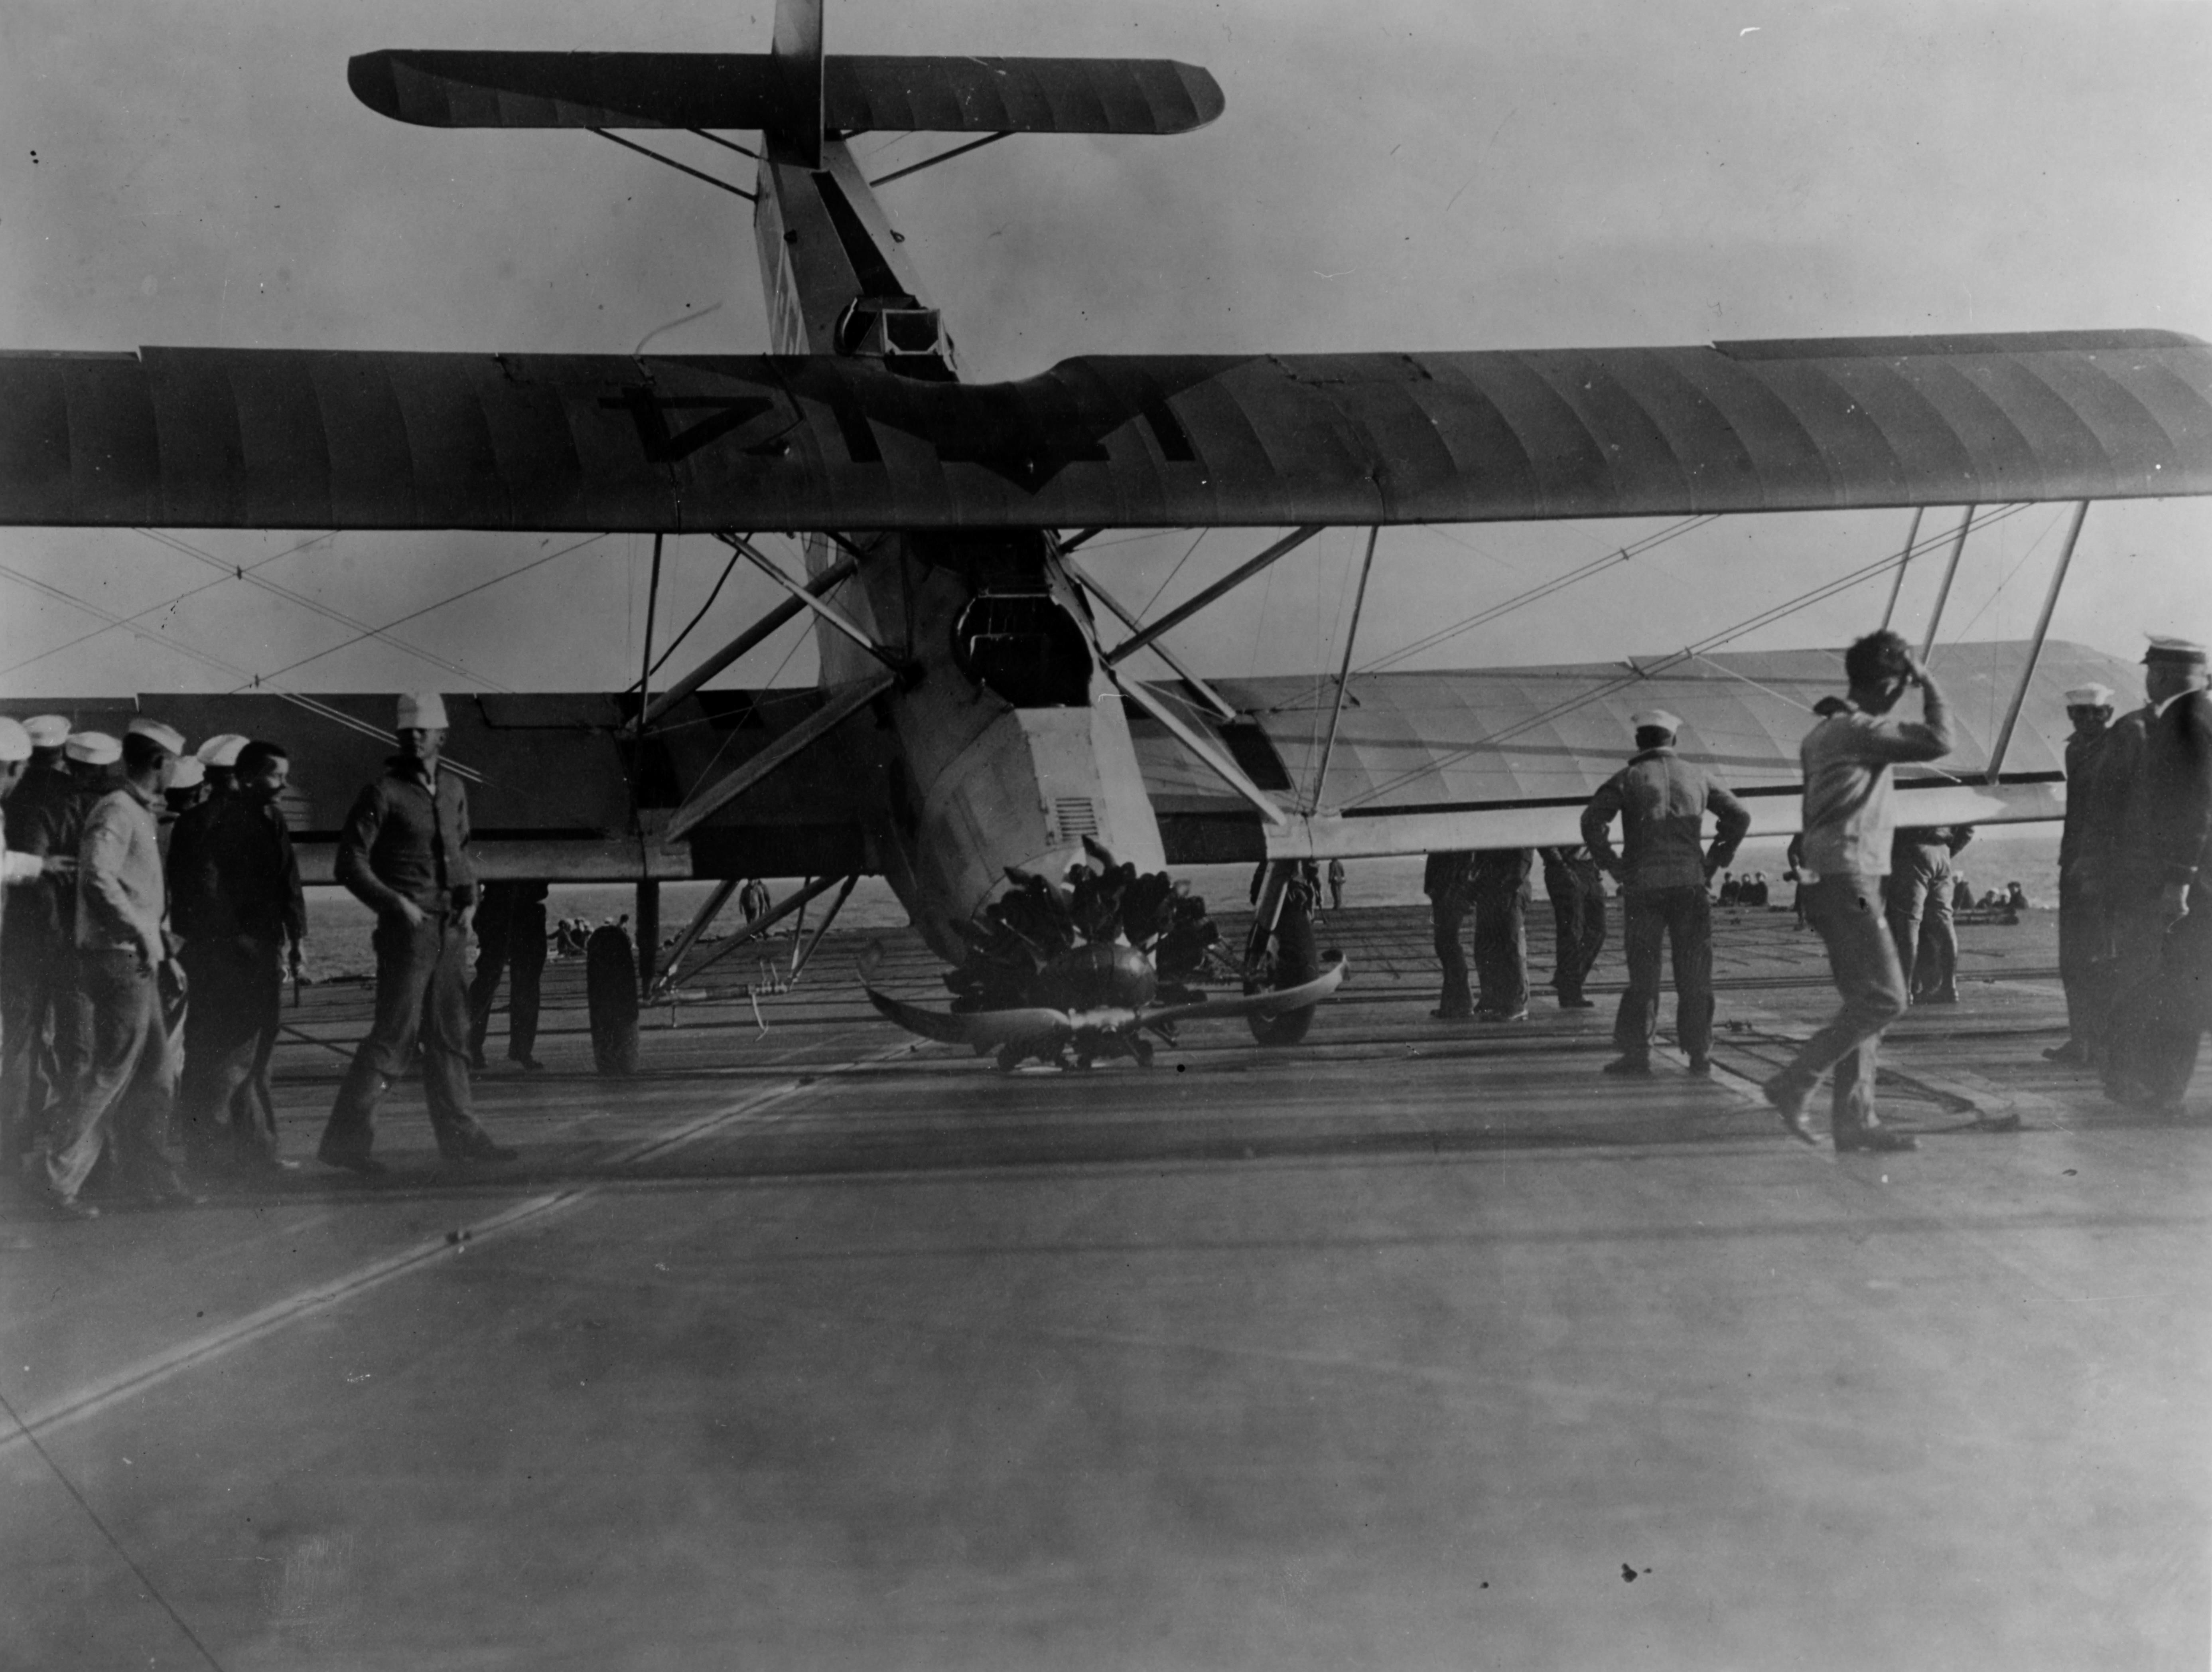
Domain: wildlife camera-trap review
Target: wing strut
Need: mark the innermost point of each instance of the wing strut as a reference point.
(2035, 645)
(753, 931)
(807, 598)
(1344, 673)
(1950, 573)
(821, 586)
(840, 707)
(1229, 583)
(1912, 544)
(1198, 687)
(1223, 767)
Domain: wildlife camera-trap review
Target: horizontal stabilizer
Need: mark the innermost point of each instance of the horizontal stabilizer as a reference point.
(745, 90)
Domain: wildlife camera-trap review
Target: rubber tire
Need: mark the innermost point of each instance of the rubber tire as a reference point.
(611, 991)
(1297, 960)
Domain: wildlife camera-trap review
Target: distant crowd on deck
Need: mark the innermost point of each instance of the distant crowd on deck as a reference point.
(2134, 925)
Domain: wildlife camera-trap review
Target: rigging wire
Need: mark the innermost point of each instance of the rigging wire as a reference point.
(315, 606)
(1637, 674)
(166, 604)
(661, 661)
(1147, 609)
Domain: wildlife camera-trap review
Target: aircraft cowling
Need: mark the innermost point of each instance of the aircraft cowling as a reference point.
(1099, 977)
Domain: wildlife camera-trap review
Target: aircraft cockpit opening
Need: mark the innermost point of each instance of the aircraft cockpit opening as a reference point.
(1025, 648)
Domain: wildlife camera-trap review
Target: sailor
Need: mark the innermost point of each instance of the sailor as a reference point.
(1446, 880)
(1498, 887)
(220, 756)
(403, 853)
(2160, 899)
(183, 787)
(36, 1062)
(1848, 822)
(1573, 884)
(2084, 842)
(215, 762)
(121, 1101)
(1917, 895)
(510, 934)
(235, 900)
(1336, 885)
(1660, 800)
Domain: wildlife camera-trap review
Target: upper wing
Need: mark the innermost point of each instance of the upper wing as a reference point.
(1508, 758)
(304, 438)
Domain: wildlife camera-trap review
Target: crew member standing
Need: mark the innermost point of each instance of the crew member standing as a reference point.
(37, 1062)
(510, 934)
(1499, 881)
(122, 1098)
(2084, 945)
(235, 900)
(2161, 900)
(403, 853)
(1918, 893)
(1336, 885)
(1663, 868)
(1572, 881)
(1446, 881)
(1849, 824)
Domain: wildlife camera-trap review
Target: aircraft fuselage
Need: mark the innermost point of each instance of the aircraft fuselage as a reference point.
(1009, 741)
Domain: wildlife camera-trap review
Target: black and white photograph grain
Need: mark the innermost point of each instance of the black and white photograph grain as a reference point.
(1176, 835)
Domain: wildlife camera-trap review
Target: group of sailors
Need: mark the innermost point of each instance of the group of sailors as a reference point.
(151, 910)
(2136, 931)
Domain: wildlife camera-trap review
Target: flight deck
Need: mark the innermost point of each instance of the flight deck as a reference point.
(1419, 1345)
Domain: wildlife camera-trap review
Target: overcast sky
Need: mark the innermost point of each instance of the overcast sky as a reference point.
(1418, 176)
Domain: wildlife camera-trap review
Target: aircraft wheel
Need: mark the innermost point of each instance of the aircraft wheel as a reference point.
(611, 991)
(1287, 958)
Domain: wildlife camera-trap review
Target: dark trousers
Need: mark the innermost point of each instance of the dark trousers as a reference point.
(2085, 965)
(1922, 892)
(122, 1100)
(1446, 916)
(1578, 919)
(42, 1040)
(2161, 999)
(1862, 958)
(422, 988)
(1650, 917)
(1501, 951)
(508, 938)
(230, 1033)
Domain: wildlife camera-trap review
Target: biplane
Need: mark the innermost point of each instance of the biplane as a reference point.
(978, 736)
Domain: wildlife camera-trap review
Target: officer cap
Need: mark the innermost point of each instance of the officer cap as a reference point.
(2089, 696)
(48, 730)
(185, 772)
(425, 709)
(168, 737)
(92, 748)
(14, 741)
(1658, 719)
(2183, 653)
(221, 751)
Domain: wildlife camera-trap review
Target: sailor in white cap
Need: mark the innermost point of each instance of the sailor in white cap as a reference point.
(185, 786)
(1660, 800)
(219, 755)
(121, 1100)
(94, 750)
(2161, 911)
(403, 853)
(37, 1040)
(2084, 851)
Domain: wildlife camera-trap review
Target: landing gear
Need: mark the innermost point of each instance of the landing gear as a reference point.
(1280, 951)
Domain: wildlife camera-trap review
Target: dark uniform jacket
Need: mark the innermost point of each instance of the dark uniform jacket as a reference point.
(2082, 755)
(1660, 800)
(403, 841)
(233, 874)
(1448, 876)
(46, 815)
(2167, 818)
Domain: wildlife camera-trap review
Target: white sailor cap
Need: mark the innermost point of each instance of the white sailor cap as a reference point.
(92, 748)
(221, 751)
(2089, 696)
(1658, 717)
(185, 772)
(168, 737)
(2186, 651)
(423, 709)
(14, 741)
(48, 730)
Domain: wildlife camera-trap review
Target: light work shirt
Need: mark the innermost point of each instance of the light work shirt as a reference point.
(1850, 823)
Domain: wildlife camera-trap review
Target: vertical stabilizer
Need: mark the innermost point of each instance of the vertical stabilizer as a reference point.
(798, 53)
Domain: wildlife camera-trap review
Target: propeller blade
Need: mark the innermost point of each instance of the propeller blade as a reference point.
(991, 1028)
(1259, 1004)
